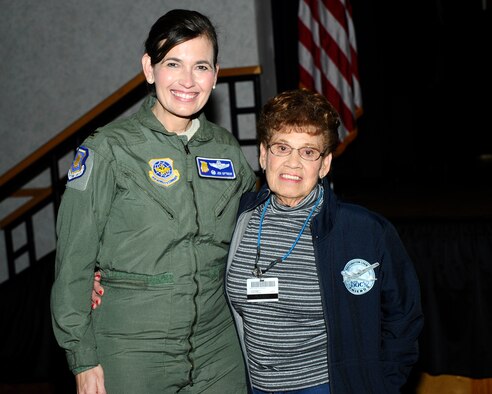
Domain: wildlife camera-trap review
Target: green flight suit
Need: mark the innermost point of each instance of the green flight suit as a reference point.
(155, 213)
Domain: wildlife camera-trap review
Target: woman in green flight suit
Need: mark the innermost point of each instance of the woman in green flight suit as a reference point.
(151, 202)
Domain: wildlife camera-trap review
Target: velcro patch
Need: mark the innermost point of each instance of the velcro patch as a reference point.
(215, 168)
(81, 168)
(163, 172)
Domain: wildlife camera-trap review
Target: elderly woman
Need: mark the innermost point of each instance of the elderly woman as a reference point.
(324, 295)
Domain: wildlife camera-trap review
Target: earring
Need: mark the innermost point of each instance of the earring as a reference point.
(213, 87)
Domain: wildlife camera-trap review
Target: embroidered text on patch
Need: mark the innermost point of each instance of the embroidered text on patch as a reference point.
(215, 168)
(359, 276)
(162, 171)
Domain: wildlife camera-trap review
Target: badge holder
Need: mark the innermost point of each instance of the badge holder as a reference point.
(262, 289)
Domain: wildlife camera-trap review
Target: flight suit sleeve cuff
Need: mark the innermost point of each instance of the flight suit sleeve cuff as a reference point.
(82, 360)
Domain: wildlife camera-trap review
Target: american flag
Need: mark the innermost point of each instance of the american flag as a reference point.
(328, 59)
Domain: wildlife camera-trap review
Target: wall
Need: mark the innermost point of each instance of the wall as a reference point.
(61, 58)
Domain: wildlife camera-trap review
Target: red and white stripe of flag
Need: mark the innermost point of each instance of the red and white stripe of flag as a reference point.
(328, 59)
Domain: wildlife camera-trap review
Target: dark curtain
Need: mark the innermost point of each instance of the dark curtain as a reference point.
(453, 259)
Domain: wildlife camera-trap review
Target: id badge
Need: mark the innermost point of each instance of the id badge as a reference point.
(262, 289)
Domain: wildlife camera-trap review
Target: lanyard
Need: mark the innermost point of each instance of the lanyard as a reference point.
(257, 271)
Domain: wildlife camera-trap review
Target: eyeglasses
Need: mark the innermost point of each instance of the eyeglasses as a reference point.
(306, 153)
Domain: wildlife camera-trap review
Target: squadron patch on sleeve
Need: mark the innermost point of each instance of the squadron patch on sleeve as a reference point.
(162, 171)
(215, 168)
(359, 276)
(81, 168)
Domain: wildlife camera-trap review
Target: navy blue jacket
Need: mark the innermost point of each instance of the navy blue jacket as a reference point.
(372, 331)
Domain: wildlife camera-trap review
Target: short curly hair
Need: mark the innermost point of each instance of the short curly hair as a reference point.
(301, 111)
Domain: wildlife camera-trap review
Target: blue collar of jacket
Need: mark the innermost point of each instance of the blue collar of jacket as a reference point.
(322, 222)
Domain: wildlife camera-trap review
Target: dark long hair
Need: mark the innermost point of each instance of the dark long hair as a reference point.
(176, 27)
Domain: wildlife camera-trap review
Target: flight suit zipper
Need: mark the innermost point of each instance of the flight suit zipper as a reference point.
(189, 179)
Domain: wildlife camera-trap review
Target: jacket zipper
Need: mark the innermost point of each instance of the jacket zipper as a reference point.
(315, 237)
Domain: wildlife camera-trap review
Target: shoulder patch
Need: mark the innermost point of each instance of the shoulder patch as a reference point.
(215, 168)
(358, 276)
(81, 168)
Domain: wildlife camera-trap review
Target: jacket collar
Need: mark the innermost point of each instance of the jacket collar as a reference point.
(324, 221)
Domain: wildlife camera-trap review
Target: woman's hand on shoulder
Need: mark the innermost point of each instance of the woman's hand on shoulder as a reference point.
(97, 290)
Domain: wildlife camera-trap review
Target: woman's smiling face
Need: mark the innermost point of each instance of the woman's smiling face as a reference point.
(183, 80)
(291, 178)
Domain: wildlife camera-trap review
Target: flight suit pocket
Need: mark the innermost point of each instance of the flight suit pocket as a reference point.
(132, 317)
(226, 212)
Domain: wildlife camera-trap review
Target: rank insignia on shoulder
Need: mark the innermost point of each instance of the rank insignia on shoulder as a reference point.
(215, 168)
(162, 172)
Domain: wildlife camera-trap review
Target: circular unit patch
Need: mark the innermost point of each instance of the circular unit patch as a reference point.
(359, 276)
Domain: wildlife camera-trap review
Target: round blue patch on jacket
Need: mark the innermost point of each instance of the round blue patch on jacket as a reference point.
(359, 276)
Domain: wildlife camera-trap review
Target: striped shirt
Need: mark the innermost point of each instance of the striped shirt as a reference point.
(286, 340)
